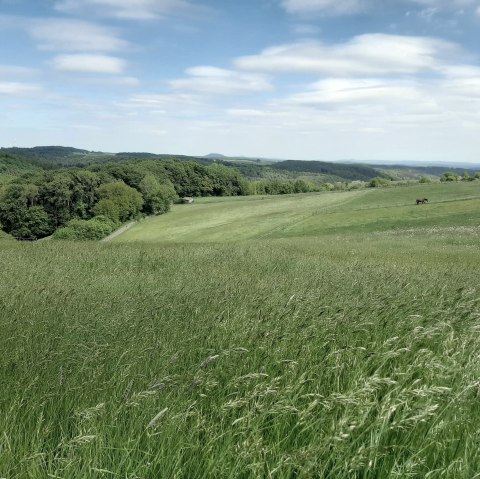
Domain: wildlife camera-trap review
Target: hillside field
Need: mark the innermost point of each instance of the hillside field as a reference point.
(329, 335)
(315, 214)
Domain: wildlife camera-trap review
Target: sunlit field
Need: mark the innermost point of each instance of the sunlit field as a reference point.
(362, 211)
(331, 335)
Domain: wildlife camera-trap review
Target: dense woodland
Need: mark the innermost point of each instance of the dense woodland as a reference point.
(91, 202)
(77, 194)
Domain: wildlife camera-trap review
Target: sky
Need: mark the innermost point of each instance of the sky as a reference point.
(384, 80)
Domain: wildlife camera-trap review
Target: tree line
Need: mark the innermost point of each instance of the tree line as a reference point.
(91, 202)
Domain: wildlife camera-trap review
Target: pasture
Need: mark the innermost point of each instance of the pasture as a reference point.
(314, 336)
(313, 214)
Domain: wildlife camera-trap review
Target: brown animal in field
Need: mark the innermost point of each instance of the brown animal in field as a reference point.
(422, 201)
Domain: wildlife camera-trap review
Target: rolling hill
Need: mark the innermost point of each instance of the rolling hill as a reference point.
(41, 157)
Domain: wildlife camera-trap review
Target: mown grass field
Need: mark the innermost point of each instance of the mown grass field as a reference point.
(361, 211)
(311, 351)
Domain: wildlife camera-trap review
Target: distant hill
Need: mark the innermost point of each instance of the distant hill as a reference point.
(350, 172)
(11, 164)
(214, 156)
(44, 151)
(51, 156)
(407, 172)
(416, 164)
(132, 155)
(14, 161)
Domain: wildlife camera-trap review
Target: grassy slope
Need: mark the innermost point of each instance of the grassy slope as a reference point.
(227, 219)
(5, 236)
(340, 356)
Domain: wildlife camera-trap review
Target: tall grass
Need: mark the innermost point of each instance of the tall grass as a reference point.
(352, 357)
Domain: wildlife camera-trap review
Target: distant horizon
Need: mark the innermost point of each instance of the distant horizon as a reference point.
(217, 155)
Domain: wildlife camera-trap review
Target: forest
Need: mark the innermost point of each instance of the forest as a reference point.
(88, 203)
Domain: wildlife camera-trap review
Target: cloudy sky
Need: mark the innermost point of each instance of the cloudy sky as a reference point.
(392, 80)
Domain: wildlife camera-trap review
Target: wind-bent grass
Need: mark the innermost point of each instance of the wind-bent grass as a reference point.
(335, 356)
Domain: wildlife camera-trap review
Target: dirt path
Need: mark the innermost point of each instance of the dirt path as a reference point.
(119, 231)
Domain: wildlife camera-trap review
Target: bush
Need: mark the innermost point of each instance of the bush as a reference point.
(65, 233)
(356, 185)
(378, 182)
(449, 176)
(84, 230)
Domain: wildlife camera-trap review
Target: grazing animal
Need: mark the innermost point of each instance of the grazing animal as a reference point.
(422, 201)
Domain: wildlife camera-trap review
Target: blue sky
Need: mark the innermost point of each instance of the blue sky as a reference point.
(393, 80)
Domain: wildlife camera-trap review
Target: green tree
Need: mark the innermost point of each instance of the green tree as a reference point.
(84, 192)
(301, 186)
(377, 182)
(19, 214)
(157, 197)
(34, 224)
(467, 177)
(128, 200)
(108, 208)
(449, 176)
(56, 197)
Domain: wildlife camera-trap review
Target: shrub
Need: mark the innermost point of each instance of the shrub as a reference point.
(449, 176)
(378, 182)
(94, 229)
(65, 233)
(356, 185)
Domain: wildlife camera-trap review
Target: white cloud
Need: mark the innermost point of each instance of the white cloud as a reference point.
(461, 71)
(128, 9)
(207, 79)
(332, 7)
(89, 64)
(347, 7)
(246, 113)
(370, 54)
(175, 104)
(111, 81)
(356, 91)
(19, 89)
(74, 35)
(306, 29)
(16, 71)
(451, 4)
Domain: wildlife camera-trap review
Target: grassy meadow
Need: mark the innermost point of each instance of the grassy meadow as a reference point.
(314, 214)
(331, 335)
